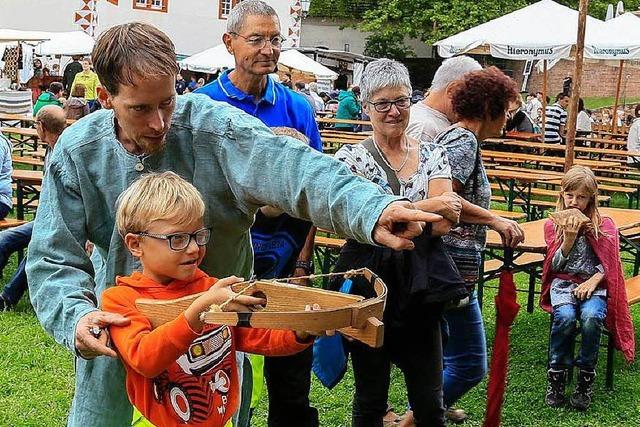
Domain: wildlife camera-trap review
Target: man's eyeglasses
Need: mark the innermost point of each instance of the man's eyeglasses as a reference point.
(181, 241)
(260, 42)
(384, 106)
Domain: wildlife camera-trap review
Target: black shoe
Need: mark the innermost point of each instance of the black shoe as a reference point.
(582, 395)
(557, 382)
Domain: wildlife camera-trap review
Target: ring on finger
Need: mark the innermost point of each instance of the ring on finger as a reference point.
(95, 331)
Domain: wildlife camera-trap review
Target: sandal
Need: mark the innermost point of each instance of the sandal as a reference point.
(390, 419)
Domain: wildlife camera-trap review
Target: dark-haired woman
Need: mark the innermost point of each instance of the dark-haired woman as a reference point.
(480, 100)
(583, 121)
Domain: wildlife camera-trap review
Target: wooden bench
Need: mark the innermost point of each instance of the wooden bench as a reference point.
(493, 265)
(10, 223)
(516, 216)
(329, 242)
(28, 205)
(631, 233)
(633, 290)
(25, 160)
(550, 193)
(326, 251)
(528, 262)
(632, 286)
(519, 201)
(343, 121)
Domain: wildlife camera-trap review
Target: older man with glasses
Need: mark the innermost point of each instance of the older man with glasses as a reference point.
(283, 246)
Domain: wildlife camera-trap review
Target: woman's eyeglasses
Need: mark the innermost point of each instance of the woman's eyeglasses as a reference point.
(384, 106)
(181, 241)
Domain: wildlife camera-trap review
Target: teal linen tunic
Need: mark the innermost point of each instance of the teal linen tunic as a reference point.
(235, 162)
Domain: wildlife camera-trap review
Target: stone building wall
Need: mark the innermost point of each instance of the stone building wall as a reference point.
(598, 79)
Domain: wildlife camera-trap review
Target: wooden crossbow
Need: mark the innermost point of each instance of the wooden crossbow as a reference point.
(351, 315)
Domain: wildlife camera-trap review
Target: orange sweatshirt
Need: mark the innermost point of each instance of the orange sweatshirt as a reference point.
(175, 376)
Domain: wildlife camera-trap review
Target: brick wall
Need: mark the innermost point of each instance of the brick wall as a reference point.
(598, 78)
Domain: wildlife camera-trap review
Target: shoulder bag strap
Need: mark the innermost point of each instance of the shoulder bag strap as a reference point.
(392, 178)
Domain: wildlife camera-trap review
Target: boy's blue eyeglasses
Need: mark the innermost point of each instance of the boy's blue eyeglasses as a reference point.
(181, 241)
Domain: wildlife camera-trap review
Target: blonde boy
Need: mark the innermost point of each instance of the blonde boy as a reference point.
(183, 372)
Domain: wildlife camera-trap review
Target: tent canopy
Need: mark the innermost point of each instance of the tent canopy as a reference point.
(299, 61)
(12, 36)
(555, 32)
(211, 60)
(69, 43)
(51, 43)
(617, 39)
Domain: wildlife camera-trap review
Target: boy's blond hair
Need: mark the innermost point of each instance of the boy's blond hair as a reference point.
(155, 197)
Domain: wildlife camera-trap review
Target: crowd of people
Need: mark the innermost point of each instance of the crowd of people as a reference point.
(154, 195)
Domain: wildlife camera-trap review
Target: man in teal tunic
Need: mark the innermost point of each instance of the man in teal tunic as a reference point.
(232, 158)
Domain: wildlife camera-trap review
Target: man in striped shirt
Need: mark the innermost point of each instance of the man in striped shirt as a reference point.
(556, 119)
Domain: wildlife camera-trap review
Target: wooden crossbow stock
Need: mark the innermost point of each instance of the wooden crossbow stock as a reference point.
(352, 315)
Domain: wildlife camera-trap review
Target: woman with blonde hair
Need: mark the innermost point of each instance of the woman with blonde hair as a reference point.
(583, 283)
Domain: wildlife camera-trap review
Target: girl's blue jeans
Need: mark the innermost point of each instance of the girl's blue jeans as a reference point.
(591, 314)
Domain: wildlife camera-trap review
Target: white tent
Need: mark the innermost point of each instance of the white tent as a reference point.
(68, 44)
(9, 36)
(211, 60)
(299, 61)
(616, 39)
(543, 30)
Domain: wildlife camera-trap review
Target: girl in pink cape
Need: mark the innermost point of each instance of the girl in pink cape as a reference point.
(582, 284)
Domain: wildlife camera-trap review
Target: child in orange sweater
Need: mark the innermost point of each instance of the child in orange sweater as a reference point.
(183, 372)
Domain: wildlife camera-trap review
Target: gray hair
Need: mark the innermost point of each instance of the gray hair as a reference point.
(236, 17)
(313, 87)
(383, 73)
(453, 69)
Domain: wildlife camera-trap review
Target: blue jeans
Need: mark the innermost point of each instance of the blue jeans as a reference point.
(564, 329)
(465, 351)
(4, 210)
(13, 240)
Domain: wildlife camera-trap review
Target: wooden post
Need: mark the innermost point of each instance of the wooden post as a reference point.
(544, 98)
(614, 123)
(577, 85)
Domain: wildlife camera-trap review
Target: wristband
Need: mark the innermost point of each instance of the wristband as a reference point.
(305, 265)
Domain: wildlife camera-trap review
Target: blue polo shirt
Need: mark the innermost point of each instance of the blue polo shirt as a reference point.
(276, 242)
(280, 106)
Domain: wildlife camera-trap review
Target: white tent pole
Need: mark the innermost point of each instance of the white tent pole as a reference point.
(614, 123)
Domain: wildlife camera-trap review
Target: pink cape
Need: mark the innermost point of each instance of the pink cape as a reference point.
(607, 249)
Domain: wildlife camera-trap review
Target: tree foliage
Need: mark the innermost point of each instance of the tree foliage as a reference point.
(344, 9)
(390, 22)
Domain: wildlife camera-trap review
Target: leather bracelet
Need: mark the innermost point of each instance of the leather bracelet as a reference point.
(305, 265)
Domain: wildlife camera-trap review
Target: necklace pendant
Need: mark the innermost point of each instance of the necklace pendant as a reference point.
(139, 166)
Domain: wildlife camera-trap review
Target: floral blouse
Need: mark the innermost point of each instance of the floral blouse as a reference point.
(433, 164)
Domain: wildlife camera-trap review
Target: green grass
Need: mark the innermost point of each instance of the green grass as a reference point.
(37, 377)
(37, 380)
(593, 103)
